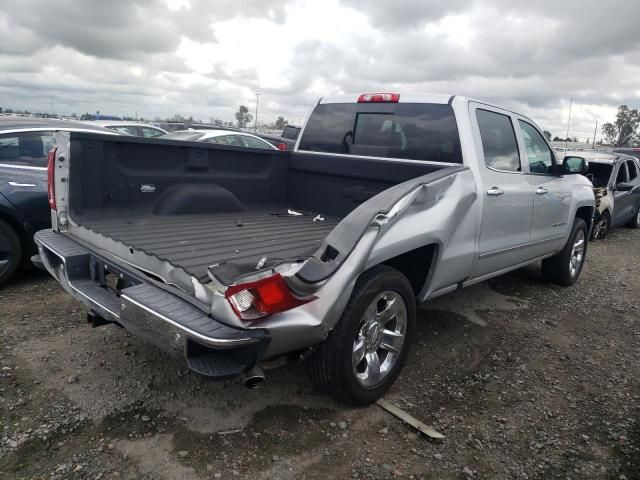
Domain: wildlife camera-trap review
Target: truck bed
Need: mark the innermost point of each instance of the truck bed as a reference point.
(195, 242)
(196, 205)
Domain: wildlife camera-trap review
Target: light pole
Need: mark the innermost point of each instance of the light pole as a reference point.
(255, 127)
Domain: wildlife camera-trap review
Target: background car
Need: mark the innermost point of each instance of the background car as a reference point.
(633, 151)
(24, 208)
(222, 137)
(131, 128)
(616, 185)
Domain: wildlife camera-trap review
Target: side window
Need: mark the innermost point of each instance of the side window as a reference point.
(622, 173)
(26, 149)
(633, 170)
(253, 142)
(540, 156)
(228, 140)
(150, 132)
(498, 141)
(127, 130)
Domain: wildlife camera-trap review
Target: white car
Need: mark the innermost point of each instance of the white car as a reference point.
(135, 129)
(222, 137)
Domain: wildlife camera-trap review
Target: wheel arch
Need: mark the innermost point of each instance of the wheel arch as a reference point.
(586, 213)
(417, 265)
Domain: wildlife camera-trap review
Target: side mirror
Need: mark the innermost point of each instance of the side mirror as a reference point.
(575, 165)
(624, 187)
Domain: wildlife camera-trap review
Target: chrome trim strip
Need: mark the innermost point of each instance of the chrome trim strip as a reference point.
(518, 247)
(16, 184)
(23, 167)
(383, 159)
(216, 342)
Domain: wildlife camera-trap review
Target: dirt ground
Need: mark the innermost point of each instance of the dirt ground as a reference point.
(524, 379)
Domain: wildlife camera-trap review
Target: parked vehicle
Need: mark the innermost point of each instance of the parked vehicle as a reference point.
(135, 129)
(633, 151)
(616, 184)
(285, 141)
(220, 137)
(175, 126)
(228, 257)
(277, 141)
(24, 144)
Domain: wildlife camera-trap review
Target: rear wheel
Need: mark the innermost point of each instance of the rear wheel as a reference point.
(635, 222)
(601, 226)
(565, 267)
(10, 251)
(364, 353)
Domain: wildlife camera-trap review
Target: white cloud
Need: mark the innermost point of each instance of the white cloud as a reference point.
(160, 57)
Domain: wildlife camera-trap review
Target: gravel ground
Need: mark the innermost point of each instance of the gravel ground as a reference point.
(525, 380)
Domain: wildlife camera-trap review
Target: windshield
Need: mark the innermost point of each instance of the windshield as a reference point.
(417, 131)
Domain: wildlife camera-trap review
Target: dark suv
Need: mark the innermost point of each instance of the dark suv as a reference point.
(24, 208)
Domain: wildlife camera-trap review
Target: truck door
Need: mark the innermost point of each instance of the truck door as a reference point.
(625, 202)
(507, 200)
(552, 193)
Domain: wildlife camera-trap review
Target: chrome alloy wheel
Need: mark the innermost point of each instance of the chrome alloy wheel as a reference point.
(379, 342)
(601, 228)
(577, 254)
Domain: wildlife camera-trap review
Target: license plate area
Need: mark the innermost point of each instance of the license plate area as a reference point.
(109, 276)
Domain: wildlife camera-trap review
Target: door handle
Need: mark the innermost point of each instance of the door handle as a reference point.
(495, 191)
(541, 191)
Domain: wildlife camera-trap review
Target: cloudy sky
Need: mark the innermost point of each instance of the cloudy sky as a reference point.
(204, 58)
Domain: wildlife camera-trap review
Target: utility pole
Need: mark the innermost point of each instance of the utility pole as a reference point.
(595, 132)
(568, 125)
(255, 127)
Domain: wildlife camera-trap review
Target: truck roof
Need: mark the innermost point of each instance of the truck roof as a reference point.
(407, 97)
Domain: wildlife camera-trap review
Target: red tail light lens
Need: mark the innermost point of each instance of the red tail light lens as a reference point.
(282, 146)
(379, 98)
(51, 177)
(263, 297)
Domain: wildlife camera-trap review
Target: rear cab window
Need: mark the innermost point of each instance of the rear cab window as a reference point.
(412, 131)
(26, 149)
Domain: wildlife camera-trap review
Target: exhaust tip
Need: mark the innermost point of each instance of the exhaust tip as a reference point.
(254, 378)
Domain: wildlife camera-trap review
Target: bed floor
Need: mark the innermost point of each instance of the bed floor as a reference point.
(194, 242)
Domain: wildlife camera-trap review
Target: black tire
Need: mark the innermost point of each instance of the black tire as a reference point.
(330, 366)
(557, 269)
(601, 226)
(635, 221)
(10, 252)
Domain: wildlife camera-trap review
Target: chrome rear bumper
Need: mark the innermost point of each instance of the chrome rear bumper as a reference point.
(147, 310)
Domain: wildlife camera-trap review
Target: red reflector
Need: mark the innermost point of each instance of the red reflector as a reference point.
(379, 98)
(263, 297)
(51, 177)
(282, 146)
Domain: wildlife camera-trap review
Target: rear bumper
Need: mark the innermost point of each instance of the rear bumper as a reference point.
(160, 317)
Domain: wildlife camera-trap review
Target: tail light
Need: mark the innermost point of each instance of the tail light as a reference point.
(379, 98)
(51, 178)
(282, 146)
(263, 297)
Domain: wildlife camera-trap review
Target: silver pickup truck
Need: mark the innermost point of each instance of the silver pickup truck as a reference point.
(233, 258)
